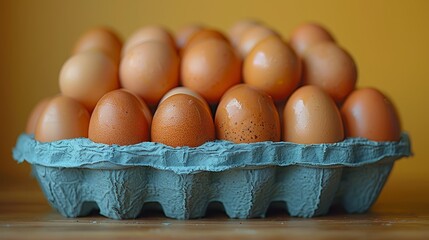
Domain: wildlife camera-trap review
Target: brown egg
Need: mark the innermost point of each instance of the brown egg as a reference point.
(87, 76)
(311, 117)
(35, 115)
(308, 35)
(185, 33)
(148, 33)
(119, 118)
(239, 28)
(62, 118)
(184, 90)
(182, 120)
(252, 36)
(103, 39)
(245, 115)
(146, 110)
(273, 67)
(205, 34)
(210, 67)
(330, 67)
(367, 113)
(150, 70)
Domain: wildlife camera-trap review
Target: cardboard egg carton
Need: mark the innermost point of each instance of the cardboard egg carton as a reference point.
(79, 176)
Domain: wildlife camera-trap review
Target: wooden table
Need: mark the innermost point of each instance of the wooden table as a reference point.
(25, 214)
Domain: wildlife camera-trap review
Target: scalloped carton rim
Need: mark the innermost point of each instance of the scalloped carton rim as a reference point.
(79, 176)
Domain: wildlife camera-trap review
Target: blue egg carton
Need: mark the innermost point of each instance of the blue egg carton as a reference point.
(79, 176)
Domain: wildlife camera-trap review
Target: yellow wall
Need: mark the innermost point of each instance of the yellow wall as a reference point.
(389, 40)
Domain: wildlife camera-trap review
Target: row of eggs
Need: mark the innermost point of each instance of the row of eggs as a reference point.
(244, 115)
(271, 105)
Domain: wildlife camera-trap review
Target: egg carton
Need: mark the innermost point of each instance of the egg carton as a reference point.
(79, 176)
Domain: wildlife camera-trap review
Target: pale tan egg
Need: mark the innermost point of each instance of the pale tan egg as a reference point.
(245, 115)
(87, 76)
(331, 68)
(311, 117)
(239, 28)
(368, 113)
(308, 35)
(119, 118)
(62, 118)
(210, 68)
(273, 67)
(252, 36)
(35, 115)
(149, 33)
(184, 90)
(103, 39)
(150, 70)
(184, 34)
(182, 120)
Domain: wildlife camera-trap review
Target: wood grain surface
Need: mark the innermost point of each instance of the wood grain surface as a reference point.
(25, 214)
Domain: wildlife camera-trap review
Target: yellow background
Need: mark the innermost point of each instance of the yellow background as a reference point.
(388, 39)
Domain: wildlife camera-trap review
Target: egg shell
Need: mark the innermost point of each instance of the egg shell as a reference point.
(184, 34)
(149, 33)
(182, 120)
(252, 36)
(239, 28)
(311, 117)
(332, 68)
(210, 68)
(146, 109)
(87, 76)
(245, 115)
(150, 70)
(184, 90)
(308, 35)
(62, 118)
(273, 67)
(119, 118)
(103, 39)
(368, 113)
(34, 116)
(204, 34)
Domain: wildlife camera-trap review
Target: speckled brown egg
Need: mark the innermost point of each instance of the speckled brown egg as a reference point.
(368, 113)
(62, 118)
(311, 117)
(273, 67)
(103, 39)
(308, 35)
(150, 70)
(182, 120)
(210, 67)
(245, 115)
(331, 68)
(119, 118)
